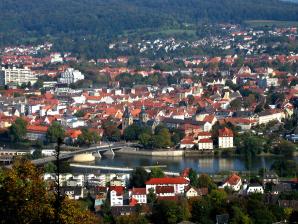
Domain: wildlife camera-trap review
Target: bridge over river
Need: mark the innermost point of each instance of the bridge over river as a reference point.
(69, 155)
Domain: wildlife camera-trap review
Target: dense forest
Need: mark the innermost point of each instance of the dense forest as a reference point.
(71, 23)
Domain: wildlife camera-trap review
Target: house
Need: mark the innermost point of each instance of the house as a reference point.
(270, 115)
(116, 195)
(270, 177)
(288, 204)
(117, 182)
(139, 194)
(225, 138)
(281, 188)
(187, 142)
(203, 135)
(123, 210)
(233, 182)
(205, 144)
(73, 192)
(254, 188)
(195, 192)
(36, 132)
(179, 184)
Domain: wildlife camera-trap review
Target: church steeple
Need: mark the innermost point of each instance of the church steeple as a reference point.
(143, 116)
(127, 118)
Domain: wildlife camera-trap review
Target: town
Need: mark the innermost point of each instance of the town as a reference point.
(239, 99)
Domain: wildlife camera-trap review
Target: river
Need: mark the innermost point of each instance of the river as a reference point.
(209, 165)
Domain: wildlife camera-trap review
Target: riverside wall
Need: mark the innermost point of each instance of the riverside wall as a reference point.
(161, 153)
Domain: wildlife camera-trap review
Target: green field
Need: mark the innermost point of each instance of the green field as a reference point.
(262, 23)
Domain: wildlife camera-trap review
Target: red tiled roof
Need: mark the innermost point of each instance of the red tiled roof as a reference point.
(225, 132)
(37, 128)
(185, 172)
(167, 180)
(206, 140)
(164, 189)
(119, 189)
(138, 191)
(233, 179)
(204, 133)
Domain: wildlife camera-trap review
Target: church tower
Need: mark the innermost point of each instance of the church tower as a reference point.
(127, 118)
(143, 116)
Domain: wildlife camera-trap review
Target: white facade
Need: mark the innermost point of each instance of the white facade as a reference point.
(116, 200)
(141, 198)
(234, 187)
(203, 145)
(71, 76)
(191, 193)
(178, 188)
(225, 142)
(264, 119)
(16, 75)
(255, 189)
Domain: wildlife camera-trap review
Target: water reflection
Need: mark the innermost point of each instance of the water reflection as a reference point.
(176, 164)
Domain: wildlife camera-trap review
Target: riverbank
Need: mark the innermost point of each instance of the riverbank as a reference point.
(160, 153)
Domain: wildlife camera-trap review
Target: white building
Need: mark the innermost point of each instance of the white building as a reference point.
(71, 76)
(271, 115)
(205, 144)
(56, 58)
(254, 188)
(116, 196)
(16, 75)
(179, 183)
(139, 194)
(225, 138)
(233, 182)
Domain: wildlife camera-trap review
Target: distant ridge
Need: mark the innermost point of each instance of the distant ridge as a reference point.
(75, 20)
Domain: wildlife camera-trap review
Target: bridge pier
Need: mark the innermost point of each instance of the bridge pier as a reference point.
(98, 154)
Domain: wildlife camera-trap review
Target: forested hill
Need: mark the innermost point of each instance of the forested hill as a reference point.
(77, 18)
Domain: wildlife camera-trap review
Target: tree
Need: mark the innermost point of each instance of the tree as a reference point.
(88, 137)
(55, 131)
(167, 212)
(156, 172)
(18, 130)
(259, 212)
(36, 154)
(145, 139)
(285, 148)
(138, 177)
(236, 104)
(80, 113)
(238, 216)
(132, 132)
(205, 180)
(151, 196)
(162, 139)
(193, 177)
(131, 219)
(111, 131)
(50, 167)
(201, 211)
(285, 167)
(26, 199)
